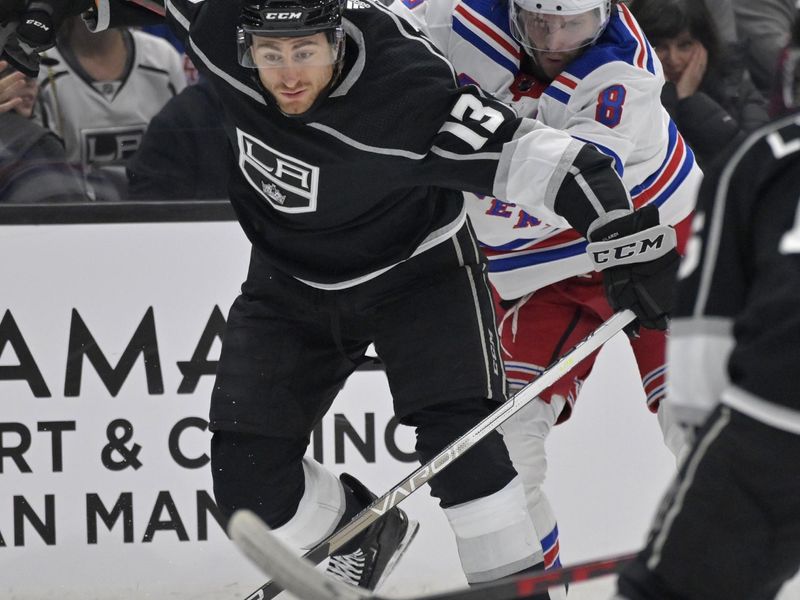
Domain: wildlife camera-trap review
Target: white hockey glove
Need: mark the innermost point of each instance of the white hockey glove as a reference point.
(639, 263)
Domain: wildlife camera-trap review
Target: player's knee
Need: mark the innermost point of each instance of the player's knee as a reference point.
(263, 474)
(483, 470)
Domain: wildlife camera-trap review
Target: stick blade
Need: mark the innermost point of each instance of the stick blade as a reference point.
(293, 573)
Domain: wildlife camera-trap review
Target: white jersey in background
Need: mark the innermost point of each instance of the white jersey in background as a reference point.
(609, 96)
(102, 122)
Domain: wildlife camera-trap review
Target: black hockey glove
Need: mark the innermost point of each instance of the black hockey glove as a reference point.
(639, 263)
(31, 27)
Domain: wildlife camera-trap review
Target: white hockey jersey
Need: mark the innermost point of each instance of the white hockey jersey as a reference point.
(609, 96)
(102, 123)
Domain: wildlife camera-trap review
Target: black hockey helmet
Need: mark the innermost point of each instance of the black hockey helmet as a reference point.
(289, 18)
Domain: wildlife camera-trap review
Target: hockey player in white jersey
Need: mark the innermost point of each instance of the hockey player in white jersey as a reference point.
(585, 67)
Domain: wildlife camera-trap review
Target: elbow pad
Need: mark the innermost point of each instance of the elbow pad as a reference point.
(590, 190)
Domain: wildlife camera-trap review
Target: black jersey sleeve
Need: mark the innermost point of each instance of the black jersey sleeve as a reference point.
(483, 147)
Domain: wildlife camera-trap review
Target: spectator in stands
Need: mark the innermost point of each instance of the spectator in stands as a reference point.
(182, 156)
(100, 92)
(763, 28)
(33, 167)
(713, 102)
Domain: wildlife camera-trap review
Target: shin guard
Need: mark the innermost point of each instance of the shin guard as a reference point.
(495, 535)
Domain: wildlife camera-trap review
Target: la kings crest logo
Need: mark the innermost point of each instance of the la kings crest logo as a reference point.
(286, 183)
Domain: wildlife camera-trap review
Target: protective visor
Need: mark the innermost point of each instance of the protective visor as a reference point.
(556, 33)
(257, 51)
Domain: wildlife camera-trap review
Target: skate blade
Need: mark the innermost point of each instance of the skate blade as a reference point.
(411, 532)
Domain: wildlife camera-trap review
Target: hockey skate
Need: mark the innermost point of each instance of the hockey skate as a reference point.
(382, 546)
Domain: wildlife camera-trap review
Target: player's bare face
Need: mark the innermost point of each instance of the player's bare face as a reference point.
(559, 39)
(675, 54)
(294, 70)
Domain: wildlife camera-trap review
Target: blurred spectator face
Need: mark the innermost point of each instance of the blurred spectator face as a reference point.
(675, 53)
(295, 70)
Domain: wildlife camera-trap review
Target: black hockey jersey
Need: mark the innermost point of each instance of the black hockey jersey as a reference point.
(370, 176)
(739, 298)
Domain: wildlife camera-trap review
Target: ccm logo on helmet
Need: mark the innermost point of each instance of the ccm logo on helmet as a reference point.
(282, 16)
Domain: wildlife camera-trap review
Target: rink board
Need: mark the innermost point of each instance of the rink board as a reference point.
(108, 337)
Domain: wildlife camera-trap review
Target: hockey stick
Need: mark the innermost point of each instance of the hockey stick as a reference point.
(300, 577)
(419, 477)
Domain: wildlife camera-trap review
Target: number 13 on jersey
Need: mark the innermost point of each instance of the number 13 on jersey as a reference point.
(474, 119)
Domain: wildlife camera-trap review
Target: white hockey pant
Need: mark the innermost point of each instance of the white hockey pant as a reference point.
(525, 434)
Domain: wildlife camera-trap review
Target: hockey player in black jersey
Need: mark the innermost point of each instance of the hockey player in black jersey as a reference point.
(352, 142)
(729, 528)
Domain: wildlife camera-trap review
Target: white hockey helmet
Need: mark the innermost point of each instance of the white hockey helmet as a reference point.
(558, 25)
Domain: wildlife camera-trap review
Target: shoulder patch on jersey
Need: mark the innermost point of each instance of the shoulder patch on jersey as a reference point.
(356, 4)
